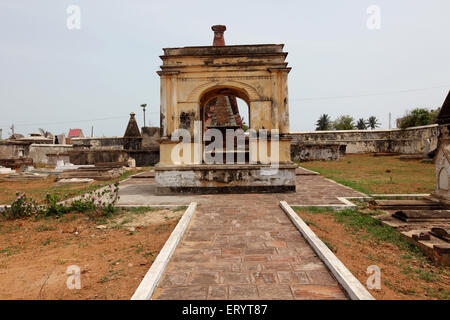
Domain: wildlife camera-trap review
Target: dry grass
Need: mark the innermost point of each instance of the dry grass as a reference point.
(113, 257)
(359, 241)
(370, 174)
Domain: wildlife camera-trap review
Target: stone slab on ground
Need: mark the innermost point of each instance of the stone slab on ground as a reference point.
(419, 232)
(4, 170)
(100, 173)
(73, 181)
(144, 175)
(410, 204)
(25, 177)
(310, 190)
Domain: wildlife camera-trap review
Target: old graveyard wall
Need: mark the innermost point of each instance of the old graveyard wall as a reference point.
(99, 143)
(38, 152)
(407, 141)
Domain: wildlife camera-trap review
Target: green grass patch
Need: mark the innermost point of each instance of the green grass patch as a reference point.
(313, 209)
(382, 175)
(358, 221)
(330, 246)
(44, 227)
(180, 208)
(8, 251)
(441, 293)
(371, 228)
(140, 210)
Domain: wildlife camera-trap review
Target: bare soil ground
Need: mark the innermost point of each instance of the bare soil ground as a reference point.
(113, 254)
(369, 174)
(404, 274)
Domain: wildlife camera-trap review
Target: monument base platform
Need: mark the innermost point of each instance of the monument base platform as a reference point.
(219, 178)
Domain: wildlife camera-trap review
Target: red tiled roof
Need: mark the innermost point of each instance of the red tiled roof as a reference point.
(74, 133)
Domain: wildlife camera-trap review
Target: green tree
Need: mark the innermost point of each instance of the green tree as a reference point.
(344, 122)
(434, 114)
(418, 117)
(244, 125)
(324, 123)
(373, 122)
(361, 124)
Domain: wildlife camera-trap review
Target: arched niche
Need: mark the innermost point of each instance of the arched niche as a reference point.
(443, 179)
(219, 92)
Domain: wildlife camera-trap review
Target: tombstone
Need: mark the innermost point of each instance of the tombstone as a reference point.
(27, 169)
(59, 163)
(4, 170)
(131, 163)
(442, 157)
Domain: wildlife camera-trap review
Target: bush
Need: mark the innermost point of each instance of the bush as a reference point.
(102, 202)
(418, 117)
(21, 207)
(81, 206)
(52, 207)
(344, 123)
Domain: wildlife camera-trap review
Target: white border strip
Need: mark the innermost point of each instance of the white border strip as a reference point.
(346, 279)
(151, 279)
(403, 195)
(313, 173)
(151, 206)
(346, 187)
(347, 204)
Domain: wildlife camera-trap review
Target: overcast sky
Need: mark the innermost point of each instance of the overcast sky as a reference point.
(55, 78)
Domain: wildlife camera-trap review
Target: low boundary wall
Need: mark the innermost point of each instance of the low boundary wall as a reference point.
(407, 141)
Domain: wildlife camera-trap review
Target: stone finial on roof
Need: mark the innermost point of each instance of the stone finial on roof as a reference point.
(132, 128)
(219, 40)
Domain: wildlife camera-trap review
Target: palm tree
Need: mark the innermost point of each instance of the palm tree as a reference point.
(361, 124)
(324, 123)
(373, 122)
(46, 134)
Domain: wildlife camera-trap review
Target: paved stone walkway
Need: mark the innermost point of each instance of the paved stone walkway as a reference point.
(311, 190)
(243, 246)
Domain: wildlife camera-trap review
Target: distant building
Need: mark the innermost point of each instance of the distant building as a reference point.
(36, 138)
(75, 133)
(61, 138)
(16, 136)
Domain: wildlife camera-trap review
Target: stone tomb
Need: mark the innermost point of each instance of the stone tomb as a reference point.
(4, 170)
(199, 87)
(426, 222)
(442, 158)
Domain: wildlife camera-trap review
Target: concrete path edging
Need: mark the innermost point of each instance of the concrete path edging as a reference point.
(354, 288)
(153, 275)
(346, 187)
(403, 195)
(346, 203)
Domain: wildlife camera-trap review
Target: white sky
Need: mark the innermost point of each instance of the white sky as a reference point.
(55, 78)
